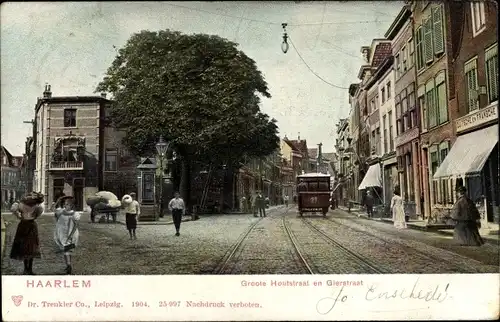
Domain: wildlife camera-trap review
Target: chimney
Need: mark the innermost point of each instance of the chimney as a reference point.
(47, 93)
(365, 50)
(103, 95)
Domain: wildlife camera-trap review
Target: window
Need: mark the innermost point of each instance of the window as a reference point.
(398, 127)
(377, 140)
(470, 70)
(110, 159)
(384, 127)
(382, 94)
(434, 162)
(391, 137)
(428, 42)
(405, 123)
(58, 189)
(420, 47)
(437, 24)
(69, 117)
(411, 100)
(411, 53)
(404, 102)
(478, 17)
(403, 59)
(414, 121)
(444, 191)
(398, 66)
(423, 107)
(388, 90)
(372, 106)
(441, 98)
(491, 59)
(431, 104)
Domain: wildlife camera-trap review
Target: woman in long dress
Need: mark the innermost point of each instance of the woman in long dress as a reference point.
(466, 216)
(66, 234)
(398, 211)
(26, 245)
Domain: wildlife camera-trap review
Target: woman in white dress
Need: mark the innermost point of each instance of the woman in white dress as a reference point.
(66, 234)
(398, 211)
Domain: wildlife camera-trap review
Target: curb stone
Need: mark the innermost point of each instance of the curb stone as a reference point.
(412, 226)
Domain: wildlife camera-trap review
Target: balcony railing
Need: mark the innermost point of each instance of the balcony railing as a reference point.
(66, 165)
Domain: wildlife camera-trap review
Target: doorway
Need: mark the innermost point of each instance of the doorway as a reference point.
(78, 185)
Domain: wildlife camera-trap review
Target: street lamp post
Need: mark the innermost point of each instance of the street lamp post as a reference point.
(161, 148)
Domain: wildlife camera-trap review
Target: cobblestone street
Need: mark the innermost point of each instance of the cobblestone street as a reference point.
(281, 243)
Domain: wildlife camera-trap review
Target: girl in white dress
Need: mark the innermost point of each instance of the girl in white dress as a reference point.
(66, 234)
(398, 211)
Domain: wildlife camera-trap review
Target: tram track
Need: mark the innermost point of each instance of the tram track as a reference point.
(296, 247)
(226, 264)
(367, 265)
(407, 248)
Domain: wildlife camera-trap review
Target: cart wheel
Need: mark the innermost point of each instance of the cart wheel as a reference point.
(325, 211)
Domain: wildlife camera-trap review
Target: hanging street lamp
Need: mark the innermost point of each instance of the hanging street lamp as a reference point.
(284, 44)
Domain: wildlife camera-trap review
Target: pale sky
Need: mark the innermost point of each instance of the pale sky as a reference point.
(70, 46)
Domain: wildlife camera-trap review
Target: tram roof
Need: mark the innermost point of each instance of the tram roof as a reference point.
(314, 175)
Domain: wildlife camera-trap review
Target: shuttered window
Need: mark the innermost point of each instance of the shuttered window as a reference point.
(422, 107)
(420, 48)
(491, 58)
(441, 98)
(430, 102)
(428, 43)
(437, 21)
(470, 70)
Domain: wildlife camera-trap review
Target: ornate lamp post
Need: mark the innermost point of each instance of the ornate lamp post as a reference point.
(162, 149)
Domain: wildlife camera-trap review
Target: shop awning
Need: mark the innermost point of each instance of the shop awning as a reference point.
(373, 178)
(469, 153)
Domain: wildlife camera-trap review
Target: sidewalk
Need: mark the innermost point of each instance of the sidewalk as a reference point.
(489, 235)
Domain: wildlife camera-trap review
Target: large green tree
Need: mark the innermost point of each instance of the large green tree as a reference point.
(198, 91)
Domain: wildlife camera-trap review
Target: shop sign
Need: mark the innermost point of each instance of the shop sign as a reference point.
(477, 118)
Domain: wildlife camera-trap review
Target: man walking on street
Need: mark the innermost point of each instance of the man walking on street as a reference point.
(260, 203)
(369, 200)
(178, 208)
(286, 200)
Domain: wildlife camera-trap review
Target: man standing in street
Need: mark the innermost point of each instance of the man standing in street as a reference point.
(369, 200)
(178, 208)
(286, 200)
(260, 203)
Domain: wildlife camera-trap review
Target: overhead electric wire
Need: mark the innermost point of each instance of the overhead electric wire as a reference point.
(311, 70)
(271, 22)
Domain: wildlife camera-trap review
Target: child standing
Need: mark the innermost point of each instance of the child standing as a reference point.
(66, 234)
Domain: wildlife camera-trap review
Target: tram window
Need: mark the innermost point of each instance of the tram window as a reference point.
(313, 186)
(323, 186)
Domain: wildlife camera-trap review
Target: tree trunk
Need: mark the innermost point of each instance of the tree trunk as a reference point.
(185, 183)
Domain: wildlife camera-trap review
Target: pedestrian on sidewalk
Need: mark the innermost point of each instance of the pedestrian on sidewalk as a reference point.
(243, 204)
(132, 212)
(369, 201)
(178, 208)
(467, 219)
(398, 211)
(26, 245)
(286, 200)
(260, 204)
(66, 234)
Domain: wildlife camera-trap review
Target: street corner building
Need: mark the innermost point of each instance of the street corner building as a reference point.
(78, 151)
(427, 95)
(14, 179)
